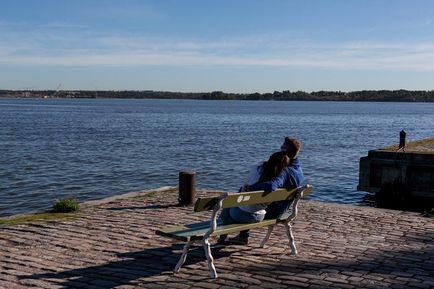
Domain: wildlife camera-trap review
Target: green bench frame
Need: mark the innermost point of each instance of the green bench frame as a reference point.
(202, 231)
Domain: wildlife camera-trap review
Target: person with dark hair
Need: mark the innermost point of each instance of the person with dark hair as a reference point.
(255, 213)
(289, 178)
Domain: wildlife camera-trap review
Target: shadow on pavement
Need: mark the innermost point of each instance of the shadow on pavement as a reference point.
(132, 266)
(399, 266)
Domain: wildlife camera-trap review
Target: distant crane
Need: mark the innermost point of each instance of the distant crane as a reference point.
(55, 92)
(57, 89)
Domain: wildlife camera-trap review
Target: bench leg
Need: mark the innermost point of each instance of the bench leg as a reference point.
(291, 238)
(209, 258)
(270, 229)
(183, 256)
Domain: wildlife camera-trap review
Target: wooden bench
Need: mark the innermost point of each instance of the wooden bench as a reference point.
(202, 231)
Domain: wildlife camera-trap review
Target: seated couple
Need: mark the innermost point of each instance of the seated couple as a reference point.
(282, 170)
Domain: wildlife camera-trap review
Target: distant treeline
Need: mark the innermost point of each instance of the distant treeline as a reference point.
(363, 95)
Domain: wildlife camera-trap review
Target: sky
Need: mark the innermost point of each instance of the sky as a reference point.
(239, 46)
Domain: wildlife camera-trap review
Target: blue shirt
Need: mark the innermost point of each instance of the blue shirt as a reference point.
(290, 178)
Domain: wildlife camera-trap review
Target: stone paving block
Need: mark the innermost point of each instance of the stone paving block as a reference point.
(267, 279)
(206, 285)
(320, 282)
(179, 285)
(11, 285)
(293, 279)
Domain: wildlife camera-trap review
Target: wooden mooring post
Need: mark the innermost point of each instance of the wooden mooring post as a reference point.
(187, 188)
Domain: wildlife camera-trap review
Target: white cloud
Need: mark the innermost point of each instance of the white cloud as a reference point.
(75, 49)
(61, 25)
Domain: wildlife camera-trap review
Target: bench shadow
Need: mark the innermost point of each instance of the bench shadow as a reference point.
(132, 266)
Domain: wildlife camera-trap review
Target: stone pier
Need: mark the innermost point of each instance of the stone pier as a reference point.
(401, 176)
(112, 245)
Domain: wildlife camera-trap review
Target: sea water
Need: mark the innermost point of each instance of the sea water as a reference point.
(95, 148)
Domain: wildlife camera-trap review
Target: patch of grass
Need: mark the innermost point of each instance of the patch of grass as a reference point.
(68, 205)
(35, 217)
(151, 194)
(61, 210)
(424, 145)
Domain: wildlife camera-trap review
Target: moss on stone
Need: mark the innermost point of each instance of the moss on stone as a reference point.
(40, 217)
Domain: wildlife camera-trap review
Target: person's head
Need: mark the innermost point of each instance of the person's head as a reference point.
(291, 146)
(274, 166)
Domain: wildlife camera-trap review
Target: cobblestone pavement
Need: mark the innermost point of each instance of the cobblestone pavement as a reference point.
(113, 245)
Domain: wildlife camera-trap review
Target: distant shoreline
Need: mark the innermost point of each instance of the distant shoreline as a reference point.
(286, 95)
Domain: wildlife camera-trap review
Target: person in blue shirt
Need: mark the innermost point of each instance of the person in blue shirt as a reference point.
(265, 171)
(290, 178)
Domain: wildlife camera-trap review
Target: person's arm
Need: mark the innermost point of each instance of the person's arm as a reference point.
(272, 185)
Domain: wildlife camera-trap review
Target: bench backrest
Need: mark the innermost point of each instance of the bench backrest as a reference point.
(250, 198)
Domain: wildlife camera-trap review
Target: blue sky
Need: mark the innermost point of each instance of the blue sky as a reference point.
(228, 45)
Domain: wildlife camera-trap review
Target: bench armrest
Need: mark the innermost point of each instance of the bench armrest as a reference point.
(301, 191)
(216, 209)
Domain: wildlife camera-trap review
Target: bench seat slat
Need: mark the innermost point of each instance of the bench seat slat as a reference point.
(196, 231)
